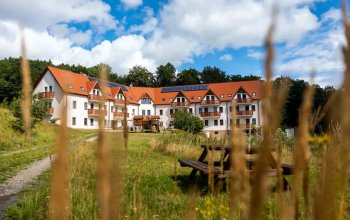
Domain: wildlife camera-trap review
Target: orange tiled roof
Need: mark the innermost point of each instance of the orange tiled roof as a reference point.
(76, 83)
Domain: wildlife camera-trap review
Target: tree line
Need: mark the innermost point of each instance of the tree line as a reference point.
(165, 75)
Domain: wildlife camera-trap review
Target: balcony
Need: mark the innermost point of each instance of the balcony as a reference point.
(210, 114)
(210, 102)
(119, 102)
(46, 95)
(180, 104)
(244, 113)
(50, 111)
(243, 100)
(120, 114)
(96, 112)
(96, 98)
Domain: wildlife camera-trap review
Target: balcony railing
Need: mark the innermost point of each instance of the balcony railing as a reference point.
(243, 100)
(119, 102)
(245, 113)
(46, 95)
(210, 102)
(96, 98)
(210, 114)
(120, 114)
(96, 112)
(50, 111)
(180, 104)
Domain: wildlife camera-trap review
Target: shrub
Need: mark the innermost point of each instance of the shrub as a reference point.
(188, 122)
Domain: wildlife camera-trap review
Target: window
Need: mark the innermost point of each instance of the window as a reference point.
(244, 96)
(237, 108)
(112, 109)
(247, 121)
(221, 122)
(221, 109)
(192, 97)
(206, 123)
(216, 122)
(143, 112)
(50, 88)
(161, 112)
(148, 112)
(229, 95)
(190, 110)
(171, 111)
(133, 111)
(170, 100)
(254, 121)
(91, 122)
(74, 104)
(253, 108)
(85, 121)
(146, 101)
(200, 110)
(82, 88)
(215, 109)
(70, 86)
(91, 105)
(247, 107)
(230, 108)
(222, 96)
(45, 88)
(238, 96)
(85, 105)
(73, 121)
(254, 94)
(199, 97)
(163, 99)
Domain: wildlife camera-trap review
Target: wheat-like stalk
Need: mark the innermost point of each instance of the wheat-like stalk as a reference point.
(103, 184)
(26, 103)
(59, 196)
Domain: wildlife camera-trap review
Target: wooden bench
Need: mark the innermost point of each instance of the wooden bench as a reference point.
(221, 172)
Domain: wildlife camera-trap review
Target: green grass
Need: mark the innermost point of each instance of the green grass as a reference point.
(152, 179)
(16, 155)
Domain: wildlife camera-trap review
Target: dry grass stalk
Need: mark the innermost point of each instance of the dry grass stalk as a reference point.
(301, 157)
(59, 195)
(211, 170)
(239, 177)
(191, 201)
(271, 119)
(103, 160)
(26, 104)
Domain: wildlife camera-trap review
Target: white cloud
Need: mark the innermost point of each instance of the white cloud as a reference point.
(42, 14)
(255, 54)
(331, 15)
(132, 3)
(76, 36)
(226, 57)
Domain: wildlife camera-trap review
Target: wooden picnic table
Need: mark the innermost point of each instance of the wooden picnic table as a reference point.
(221, 167)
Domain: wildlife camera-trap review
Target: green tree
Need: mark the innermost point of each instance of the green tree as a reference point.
(165, 75)
(188, 77)
(187, 122)
(213, 75)
(139, 76)
(237, 78)
(39, 110)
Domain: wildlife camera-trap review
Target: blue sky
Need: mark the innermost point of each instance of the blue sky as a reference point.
(228, 34)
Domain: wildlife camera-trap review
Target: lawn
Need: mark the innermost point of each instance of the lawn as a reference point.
(154, 186)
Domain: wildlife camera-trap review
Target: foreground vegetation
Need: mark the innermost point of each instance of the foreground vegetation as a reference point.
(153, 184)
(16, 153)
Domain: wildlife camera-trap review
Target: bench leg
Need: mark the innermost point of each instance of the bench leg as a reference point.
(193, 174)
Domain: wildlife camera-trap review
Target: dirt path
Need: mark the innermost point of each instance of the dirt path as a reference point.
(15, 184)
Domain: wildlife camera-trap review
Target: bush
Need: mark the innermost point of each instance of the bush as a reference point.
(39, 110)
(188, 122)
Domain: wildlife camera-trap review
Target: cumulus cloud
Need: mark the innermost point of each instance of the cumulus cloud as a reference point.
(178, 33)
(132, 3)
(42, 14)
(226, 57)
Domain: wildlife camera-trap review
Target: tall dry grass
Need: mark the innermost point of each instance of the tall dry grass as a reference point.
(26, 104)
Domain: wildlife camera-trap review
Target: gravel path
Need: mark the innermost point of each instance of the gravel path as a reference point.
(16, 183)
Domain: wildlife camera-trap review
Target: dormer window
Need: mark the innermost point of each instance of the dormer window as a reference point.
(170, 99)
(229, 95)
(163, 99)
(192, 97)
(222, 96)
(254, 94)
(82, 88)
(199, 97)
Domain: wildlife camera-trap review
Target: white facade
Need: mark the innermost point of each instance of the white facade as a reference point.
(83, 111)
